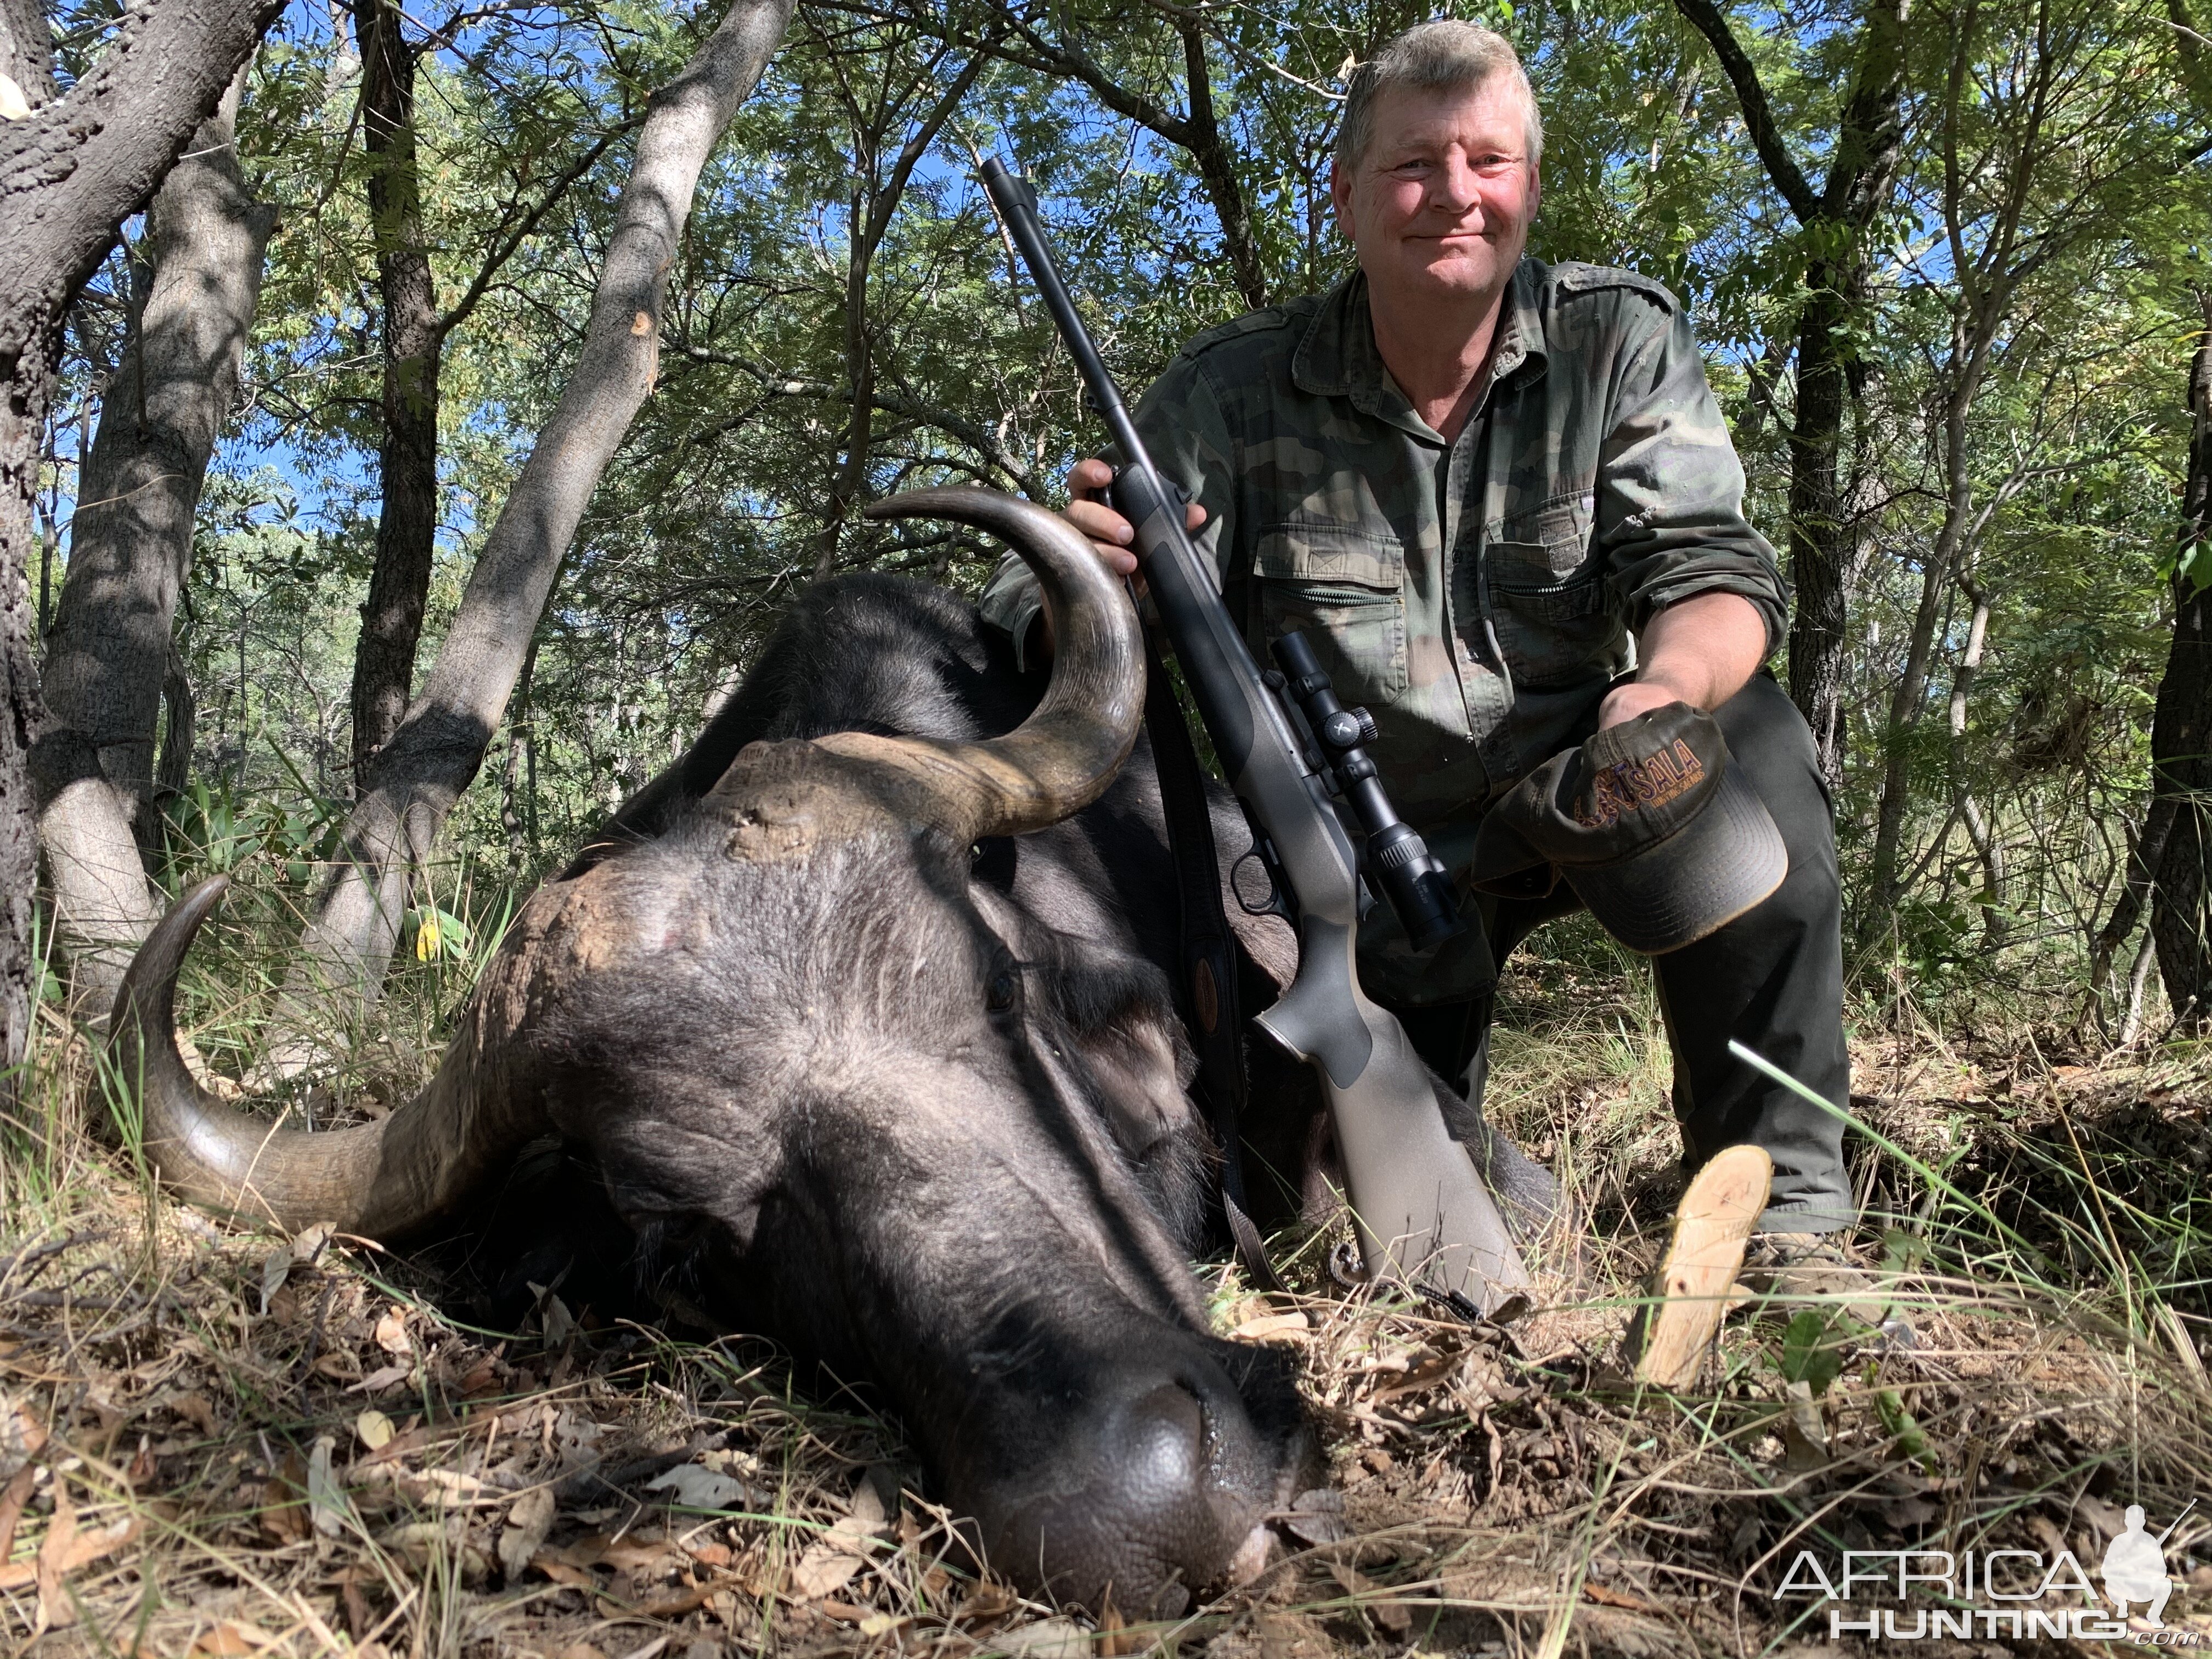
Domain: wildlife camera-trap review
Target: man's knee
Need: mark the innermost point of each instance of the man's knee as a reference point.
(1770, 743)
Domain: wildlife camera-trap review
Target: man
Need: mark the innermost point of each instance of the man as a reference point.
(1469, 477)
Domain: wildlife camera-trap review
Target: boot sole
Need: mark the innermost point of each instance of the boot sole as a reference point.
(1689, 1290)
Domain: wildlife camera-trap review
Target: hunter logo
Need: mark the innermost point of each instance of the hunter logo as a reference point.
(1627, 784)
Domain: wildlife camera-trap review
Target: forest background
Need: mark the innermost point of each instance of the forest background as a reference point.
(465, 396)
(1946, 261)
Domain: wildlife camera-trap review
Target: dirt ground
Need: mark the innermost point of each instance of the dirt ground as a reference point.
(218, 1443)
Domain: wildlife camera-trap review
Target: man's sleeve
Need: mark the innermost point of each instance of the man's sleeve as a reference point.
(1669, 507)
(1182, 425)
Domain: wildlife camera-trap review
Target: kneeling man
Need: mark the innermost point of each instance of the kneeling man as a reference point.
(1499, 498)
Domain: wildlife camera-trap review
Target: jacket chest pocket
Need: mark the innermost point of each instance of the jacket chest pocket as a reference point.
(1548, 601)
(1343, 590)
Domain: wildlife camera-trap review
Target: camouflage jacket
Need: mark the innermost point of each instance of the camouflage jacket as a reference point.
(1477, 596)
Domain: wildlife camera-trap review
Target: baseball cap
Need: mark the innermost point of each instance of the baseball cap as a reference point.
(1659, 837)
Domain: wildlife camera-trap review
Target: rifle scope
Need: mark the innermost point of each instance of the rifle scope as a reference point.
(1398, 860)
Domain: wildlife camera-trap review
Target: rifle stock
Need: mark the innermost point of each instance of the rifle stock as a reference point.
(1422, 1211)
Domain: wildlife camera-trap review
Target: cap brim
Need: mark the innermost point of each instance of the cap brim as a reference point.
(1724, 861)
(1505, 865)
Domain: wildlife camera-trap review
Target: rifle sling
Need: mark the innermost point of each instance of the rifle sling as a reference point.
(1207, 953)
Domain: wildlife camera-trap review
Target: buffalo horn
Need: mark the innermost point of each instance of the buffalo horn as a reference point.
(384, 1179)
(1061, 758)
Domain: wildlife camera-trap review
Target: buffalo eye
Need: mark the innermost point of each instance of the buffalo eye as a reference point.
(998, 994)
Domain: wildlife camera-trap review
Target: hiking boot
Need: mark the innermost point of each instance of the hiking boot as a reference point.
(1790, 1272)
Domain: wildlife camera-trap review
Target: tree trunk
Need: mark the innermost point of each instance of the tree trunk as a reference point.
(415, 779)
(407, 461)
(27, 51)
(1818, 545)
(1994, 926)
(1862, 175)
(131, 554)
(71, 172)
(2181, 735)
(876, 200)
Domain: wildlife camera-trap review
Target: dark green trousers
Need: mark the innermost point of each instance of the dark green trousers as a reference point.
(1772, 980)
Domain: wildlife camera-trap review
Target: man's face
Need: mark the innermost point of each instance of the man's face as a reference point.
(1439, 206)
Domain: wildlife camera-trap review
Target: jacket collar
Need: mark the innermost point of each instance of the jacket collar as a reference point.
(1338, 358)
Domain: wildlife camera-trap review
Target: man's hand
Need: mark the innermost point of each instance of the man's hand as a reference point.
(1700, 651)
(1110, 532)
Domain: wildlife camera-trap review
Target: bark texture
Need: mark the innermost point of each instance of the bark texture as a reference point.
(26, 51)
(71, 172)
(1837, 220)
(2166, 866)
(407, 462)
(109, 655)
(415, 779)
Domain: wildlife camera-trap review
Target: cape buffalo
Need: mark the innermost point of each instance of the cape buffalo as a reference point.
(860, 1015)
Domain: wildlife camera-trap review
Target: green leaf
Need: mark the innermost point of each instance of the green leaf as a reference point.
(1905, 1429)
(2196, 566)
(1811, 1351)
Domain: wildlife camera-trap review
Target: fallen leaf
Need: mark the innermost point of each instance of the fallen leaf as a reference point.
(1393, 1616)
(306, 1246)
(1613, 1598)
(989, 1600)
(284, 1501)
(598, 1550)
(327, 1506)
(527, 1522)
(55, 1608)
(374, 1429)
(1048, 1638)
(274, 1268)
(881, 1624)
(420, 1541)
(481, 1379)
(867, 1504)
(391, 1334)
(854, 1533)
(229, 1640)
(698, 1488)
(670, 1603)
(824, 1571)
(12, 1499)
(340, 1367)
(1277, 1327)
(1317, 1517)
(22, 1434)
(84, 1548)
(1804, 1436)
(560, 1324)
(1114, 1641)
(377, 1381)
(195, 1410)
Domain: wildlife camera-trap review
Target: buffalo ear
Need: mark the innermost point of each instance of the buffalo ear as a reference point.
(1120, 1018)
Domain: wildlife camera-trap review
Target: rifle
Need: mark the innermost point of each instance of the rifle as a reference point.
(1422, 1213)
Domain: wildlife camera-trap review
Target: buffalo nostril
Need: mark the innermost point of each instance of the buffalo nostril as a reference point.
(1161, 1458)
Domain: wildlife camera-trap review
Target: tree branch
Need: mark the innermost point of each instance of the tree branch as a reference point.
(1758, 114)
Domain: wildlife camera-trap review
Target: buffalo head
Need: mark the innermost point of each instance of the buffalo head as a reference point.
(884, 1114)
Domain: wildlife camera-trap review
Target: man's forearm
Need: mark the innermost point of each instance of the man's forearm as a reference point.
(1701, 651)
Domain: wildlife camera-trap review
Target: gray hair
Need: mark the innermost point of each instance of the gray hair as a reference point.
(1444, 55)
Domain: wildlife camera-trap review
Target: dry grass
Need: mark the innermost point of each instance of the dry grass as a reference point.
(193, 1423)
